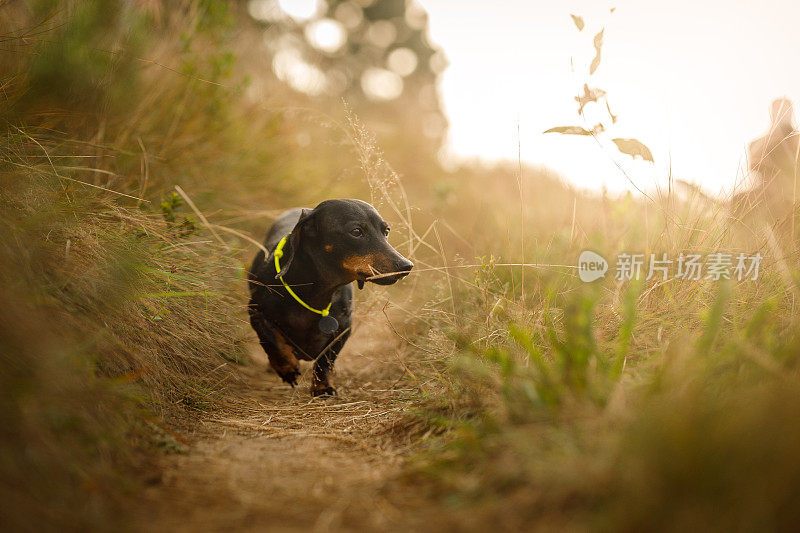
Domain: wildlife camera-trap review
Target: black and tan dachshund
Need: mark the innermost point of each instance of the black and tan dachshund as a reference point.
(301, 304)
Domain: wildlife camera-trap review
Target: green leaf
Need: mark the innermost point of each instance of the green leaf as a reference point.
(626, 328)
(598, 45)
(634, 148)
(569, 130)
(578, 21)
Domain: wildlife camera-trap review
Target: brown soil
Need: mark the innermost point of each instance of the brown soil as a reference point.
(274, 459)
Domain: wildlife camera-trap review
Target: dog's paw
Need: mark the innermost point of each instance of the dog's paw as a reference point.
(289, 375)
(324, 392)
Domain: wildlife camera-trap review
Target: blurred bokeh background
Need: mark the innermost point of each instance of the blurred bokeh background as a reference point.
(146, 145)
(693, 82)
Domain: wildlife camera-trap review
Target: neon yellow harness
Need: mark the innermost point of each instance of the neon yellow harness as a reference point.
(278, 255)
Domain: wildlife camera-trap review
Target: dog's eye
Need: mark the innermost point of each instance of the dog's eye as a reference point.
(386, 231)
(356, 232)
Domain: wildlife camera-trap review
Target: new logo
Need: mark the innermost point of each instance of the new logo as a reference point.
(591, 266)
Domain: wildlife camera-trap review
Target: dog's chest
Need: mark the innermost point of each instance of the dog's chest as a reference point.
(308, 341)
(300, 327)
(306, 338)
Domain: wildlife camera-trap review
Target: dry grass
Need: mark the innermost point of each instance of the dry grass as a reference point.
(107, 314)
(546, 402)
(124, 303)
(608, 406)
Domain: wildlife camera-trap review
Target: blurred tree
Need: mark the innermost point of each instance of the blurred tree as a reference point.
(374, 54)
(86, 62)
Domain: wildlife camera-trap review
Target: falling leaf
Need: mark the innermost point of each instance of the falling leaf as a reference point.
(598, 39)
(610, 114)
(578, 21)
(613, 9)
(598, 45)
(569, 130)
(595, 63)
(634, 148)
(589, 95)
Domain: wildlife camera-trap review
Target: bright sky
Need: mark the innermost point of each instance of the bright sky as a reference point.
(692, 79)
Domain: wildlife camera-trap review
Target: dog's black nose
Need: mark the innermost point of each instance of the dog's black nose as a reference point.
(404, 267)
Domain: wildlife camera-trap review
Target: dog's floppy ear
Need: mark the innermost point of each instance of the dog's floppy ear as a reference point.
(293, 242)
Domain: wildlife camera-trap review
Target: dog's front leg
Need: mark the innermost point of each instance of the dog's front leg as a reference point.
(322, 384)
(279, 352)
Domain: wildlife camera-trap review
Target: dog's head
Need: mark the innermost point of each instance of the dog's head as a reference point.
(347, 241)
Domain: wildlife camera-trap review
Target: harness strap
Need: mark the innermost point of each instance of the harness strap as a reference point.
(278, 255)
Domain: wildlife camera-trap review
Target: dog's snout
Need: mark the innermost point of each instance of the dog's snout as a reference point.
(404, 266)
(392, 268)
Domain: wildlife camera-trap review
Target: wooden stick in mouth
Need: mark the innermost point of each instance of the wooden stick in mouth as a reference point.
(380, 275)
(456, 267)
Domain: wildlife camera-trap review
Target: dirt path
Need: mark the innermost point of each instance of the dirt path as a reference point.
(274, 459)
